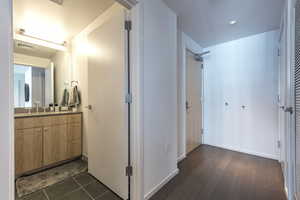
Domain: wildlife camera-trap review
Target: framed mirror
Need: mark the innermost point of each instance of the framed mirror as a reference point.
(34, 81)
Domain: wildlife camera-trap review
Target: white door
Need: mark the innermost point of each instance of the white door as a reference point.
(193, 102)
(107, 118)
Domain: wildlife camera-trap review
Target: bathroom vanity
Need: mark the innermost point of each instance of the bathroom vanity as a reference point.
(46, 139)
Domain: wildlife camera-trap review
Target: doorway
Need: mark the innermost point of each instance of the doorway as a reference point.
(194, 103)
(82, 140)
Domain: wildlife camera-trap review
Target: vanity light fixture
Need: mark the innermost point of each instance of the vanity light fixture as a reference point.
(22, 35)
(23, 32)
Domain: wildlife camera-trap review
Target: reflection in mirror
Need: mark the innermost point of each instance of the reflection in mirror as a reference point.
(32, 86)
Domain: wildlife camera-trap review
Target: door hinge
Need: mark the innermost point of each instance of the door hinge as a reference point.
(202, 131)
(128, 98)
(278, 52)
(128, 25)
(202, 66)
(129, 171)
(278, 144)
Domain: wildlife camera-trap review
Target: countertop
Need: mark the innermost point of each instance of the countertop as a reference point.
(43, 114)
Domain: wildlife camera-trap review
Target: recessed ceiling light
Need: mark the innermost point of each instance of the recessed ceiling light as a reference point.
(232, 22)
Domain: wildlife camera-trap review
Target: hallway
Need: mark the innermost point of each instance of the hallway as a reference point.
(211, 173)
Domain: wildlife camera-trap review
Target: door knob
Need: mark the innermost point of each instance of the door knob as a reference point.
(89, 107)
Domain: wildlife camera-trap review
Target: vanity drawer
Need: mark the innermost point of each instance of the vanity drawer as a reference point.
(75, 118)
(25, 123)
(59, 120)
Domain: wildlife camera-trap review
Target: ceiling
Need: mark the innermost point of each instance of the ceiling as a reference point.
(51, 21)
(207, 21)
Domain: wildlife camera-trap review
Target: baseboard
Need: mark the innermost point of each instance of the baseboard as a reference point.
(180, 158)
(161, 184)
(269, 156)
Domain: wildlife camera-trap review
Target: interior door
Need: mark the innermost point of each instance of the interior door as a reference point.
(193, 102)
(108, 115)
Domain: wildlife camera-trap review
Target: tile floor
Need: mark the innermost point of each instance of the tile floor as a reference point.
(80, 187)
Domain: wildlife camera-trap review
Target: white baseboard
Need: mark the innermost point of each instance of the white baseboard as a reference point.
(273, 157)
(180, 158)
(161, 184)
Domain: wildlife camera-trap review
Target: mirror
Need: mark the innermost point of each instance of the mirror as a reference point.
(33, 86)
(40, 74)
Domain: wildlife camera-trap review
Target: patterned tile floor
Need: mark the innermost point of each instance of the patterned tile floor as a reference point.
(80, 187)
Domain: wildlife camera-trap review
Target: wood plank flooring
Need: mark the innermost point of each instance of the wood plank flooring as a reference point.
(210, 173)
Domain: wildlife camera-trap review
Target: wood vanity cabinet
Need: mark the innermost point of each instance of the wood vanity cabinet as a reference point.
(45, 141)
(55, 144)
(28, 149)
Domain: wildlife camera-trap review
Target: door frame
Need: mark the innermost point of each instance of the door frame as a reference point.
(7, 171)
(186, 45)
(7, 109)
(290, 132)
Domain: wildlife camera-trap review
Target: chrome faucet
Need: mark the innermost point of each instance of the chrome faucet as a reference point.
(37, 103)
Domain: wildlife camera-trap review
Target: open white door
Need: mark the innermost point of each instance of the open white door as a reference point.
(108, 115)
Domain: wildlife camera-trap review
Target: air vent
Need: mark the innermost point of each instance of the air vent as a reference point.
(59, 2)
(25, 46)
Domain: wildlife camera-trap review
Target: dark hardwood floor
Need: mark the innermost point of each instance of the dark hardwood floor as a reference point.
(210, 173)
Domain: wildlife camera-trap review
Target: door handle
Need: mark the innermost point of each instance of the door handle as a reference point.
(289, 110)
(88, 107)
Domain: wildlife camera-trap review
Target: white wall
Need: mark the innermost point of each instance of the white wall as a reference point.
(6, 105)
(243, 72)
(62, 73)
(160, 95)
(184, 43)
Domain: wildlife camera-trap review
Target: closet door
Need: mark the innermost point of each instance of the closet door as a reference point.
(258, 96)
(108, 115)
